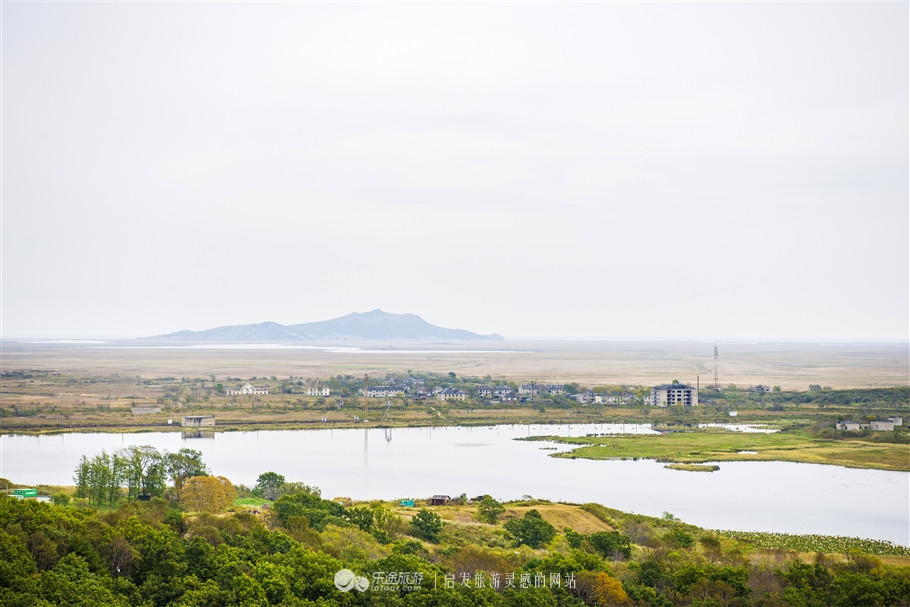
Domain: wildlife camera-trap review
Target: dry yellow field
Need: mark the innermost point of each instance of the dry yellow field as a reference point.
(789, 365)
(558, 515)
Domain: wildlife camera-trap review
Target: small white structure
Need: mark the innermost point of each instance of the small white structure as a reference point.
(625, 399)
(197, 421)
(882, 424)
(246, 388)
(897, 421)
(146, 410)
(317, 392)
(851, 425)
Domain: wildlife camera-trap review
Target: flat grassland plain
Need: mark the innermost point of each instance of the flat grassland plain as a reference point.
(789, 365)
(68, 387)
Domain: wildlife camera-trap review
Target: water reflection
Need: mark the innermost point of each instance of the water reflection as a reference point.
(190, 434)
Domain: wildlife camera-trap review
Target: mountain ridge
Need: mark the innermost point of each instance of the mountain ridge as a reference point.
(373, 325)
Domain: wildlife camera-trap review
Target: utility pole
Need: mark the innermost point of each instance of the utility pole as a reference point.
(366, 403)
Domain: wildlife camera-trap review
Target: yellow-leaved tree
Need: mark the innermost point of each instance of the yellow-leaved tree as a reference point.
(608, 592)
(207, 494)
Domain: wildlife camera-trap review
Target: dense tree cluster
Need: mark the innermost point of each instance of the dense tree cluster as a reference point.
(146, 553)
(818, 395)
(141, 471)
(185, 551)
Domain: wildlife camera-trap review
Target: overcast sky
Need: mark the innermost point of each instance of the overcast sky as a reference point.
(654, 170)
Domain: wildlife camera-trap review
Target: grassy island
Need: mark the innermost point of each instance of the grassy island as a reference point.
(700, 445)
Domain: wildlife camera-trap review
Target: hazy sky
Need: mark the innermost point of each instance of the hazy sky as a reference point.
(715, 170)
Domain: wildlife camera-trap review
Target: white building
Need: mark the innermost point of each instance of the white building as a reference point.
(317, 392)
(625, 399)
(502, 391)
(451, 394)
(384, 391)
(881, 424)
(246, 388)
(197, 421)
(886, 425)
(674, 394)
(851, 425)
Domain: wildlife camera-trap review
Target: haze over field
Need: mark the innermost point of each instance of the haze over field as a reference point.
(790, 365)
(558, 170)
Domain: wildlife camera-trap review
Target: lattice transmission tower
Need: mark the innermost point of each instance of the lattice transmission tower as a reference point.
(716, 386)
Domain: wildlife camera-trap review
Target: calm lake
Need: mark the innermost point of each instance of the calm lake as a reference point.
(419, 462)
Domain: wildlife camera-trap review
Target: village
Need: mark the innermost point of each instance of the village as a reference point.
(660, 396)
(421, 389)
(48, 401)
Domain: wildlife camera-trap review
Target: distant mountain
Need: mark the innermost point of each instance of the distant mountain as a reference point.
(264, 331)
(375, 325)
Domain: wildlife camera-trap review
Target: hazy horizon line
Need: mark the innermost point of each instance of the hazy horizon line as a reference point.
(76, 338)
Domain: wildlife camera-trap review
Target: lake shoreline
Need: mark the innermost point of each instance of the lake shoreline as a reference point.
(888, 455)
(384, 463)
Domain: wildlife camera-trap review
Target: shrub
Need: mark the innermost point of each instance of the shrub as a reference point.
(428, 524)
(489, 510)
(531, 530)
(611, 544)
